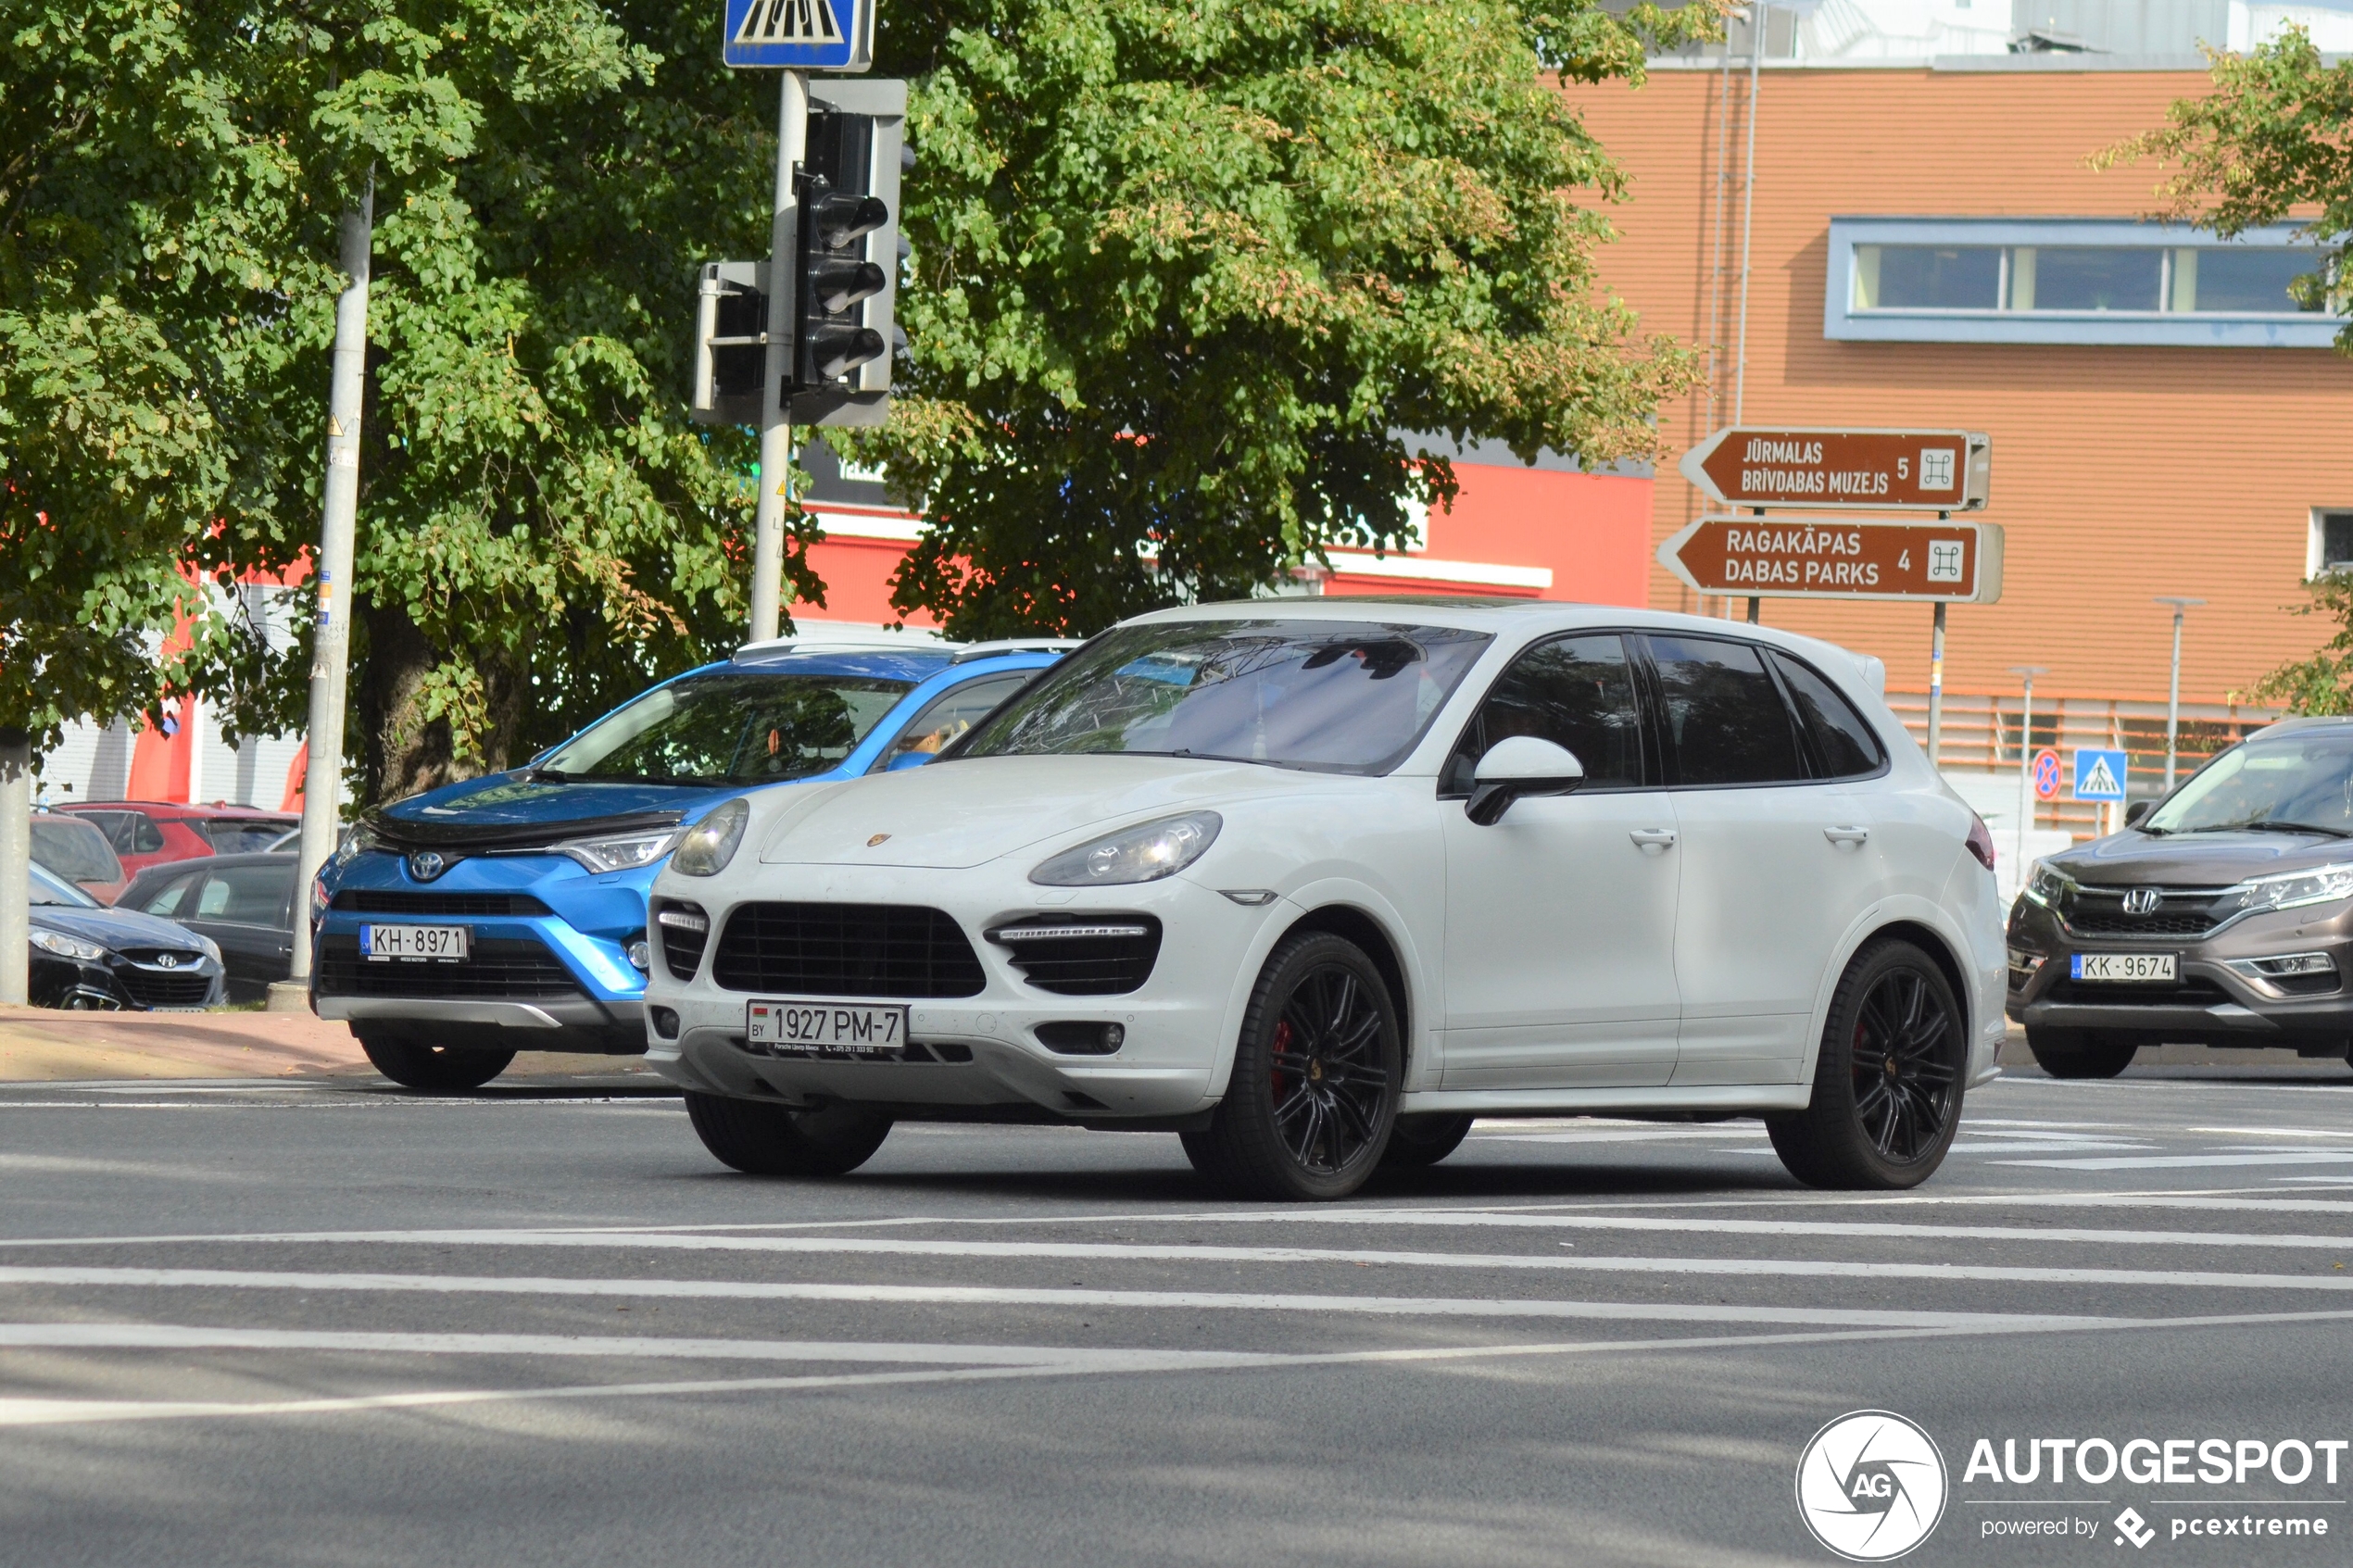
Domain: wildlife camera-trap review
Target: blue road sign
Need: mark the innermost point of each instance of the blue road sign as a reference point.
(2099, 775)
(800, 34)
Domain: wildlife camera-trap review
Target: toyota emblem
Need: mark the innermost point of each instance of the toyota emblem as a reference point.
(426, 865)
(2142, 901)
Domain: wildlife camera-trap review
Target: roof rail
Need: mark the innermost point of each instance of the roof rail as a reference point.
(971, 652)
(822, 636)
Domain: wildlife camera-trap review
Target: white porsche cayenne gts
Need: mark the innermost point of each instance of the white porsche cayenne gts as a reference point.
(1313, 882)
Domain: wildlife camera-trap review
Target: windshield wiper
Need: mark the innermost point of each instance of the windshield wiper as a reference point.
(2270, 824)
(543, 775)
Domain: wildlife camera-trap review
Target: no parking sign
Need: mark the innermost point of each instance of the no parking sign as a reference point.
(2046, 774)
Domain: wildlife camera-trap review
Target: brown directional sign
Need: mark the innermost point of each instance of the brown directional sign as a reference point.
(1942, 471)
(1838, 558)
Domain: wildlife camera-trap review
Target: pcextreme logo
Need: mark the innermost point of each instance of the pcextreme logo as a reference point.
(1870, 1486)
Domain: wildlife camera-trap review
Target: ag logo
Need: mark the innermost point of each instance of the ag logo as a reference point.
(1870, 1486)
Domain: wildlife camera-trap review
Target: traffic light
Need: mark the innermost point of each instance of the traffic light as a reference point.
(847, 250)
(731, 343)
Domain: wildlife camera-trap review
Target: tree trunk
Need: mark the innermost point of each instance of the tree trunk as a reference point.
(402, 753)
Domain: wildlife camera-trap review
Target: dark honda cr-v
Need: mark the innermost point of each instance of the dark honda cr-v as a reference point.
(2224, 917)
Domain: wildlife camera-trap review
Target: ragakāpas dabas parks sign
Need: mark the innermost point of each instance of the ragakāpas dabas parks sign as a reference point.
(1781, 557)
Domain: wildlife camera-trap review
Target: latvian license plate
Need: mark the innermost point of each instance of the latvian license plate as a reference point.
(825, 1028)
(2122, 966)
(383, 943)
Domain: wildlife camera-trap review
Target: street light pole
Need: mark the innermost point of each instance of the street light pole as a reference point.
(331, 645)
(15, 867)
(2026, 760)
(2173, 690)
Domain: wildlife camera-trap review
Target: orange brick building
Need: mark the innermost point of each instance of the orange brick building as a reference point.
(2144, 442)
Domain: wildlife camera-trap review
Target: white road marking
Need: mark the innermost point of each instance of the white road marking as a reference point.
(2182, 1162)
(33, 1411)
(1027, 1296)
(174, 1337)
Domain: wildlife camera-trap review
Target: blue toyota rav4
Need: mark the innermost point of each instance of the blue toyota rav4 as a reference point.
(506, 913)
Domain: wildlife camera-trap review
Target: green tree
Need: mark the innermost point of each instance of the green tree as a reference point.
(1183, 273)
(541, 531)
(2269, 144)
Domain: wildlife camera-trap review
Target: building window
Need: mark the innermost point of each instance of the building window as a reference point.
(2089, 281)
(2332, 541)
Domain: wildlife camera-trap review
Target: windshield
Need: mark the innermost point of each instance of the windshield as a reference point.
(1334, 695)
(77, 851)
(728, 729)
(2299, 780)
(49, 888)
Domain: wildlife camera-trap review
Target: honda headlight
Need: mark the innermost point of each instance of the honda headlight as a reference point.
(626, 852)
(710, 844)
(2289, 890)
(66, 946)
(2047, 885)
(1144, 853)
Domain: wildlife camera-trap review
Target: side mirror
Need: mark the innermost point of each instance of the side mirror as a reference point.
(2135, 812)
(1521, 765)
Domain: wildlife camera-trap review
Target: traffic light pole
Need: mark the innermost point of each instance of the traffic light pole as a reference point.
(775, 429)
(331, 645)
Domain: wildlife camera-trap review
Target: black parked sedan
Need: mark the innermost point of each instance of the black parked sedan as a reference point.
(89, 958)
(243, 903)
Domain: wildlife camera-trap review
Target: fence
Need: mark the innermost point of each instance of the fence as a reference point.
(1981, 736)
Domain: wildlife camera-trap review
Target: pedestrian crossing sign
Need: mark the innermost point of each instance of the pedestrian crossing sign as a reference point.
(2099, 775)
(800, 34)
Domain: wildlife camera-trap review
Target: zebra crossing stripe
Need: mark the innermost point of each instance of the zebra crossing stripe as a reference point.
(789, 21)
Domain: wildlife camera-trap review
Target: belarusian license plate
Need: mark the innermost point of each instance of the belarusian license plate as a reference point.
(383, 943)
(2122, 966)
(828, 1028)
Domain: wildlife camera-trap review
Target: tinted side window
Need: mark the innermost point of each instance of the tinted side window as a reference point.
(949, 715)
(146, 838)
(167, 899)
(244, 895)
(1577, 692)
(1842, 743)
(1725, 718)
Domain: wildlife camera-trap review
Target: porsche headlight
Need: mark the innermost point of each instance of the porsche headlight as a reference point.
(66, 946)
(2289, 890)
(710, 844)
(1143, 853)
(2047, 885)
(624, 853)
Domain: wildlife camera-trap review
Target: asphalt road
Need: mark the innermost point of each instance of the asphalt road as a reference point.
(338, 1324)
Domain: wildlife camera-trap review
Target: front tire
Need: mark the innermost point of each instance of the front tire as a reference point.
(1309, 1109)
(775, 1140)
(1887, 1087)
(416, 1065)
(1418, 1141)
(2079, 1053)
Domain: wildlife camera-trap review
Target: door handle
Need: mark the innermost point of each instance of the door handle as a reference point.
(1652, 841)
(1847, 838)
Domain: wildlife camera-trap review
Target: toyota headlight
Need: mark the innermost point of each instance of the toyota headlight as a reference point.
(357, 840)
(2048, 885)
(711, 843)
(1144, 853)
(624, 853)
(66, 946)
(2289, 890)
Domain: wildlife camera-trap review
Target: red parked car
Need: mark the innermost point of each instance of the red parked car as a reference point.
(149, 833)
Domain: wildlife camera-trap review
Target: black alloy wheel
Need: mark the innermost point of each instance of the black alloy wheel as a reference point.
(1887, 1087)
(1308, 1110)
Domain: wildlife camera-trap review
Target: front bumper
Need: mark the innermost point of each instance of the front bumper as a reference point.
(116, 982)
(550, 972)
(2215, 1001)
(980, 1056)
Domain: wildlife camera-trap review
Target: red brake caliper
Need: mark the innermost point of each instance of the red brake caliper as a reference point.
(1282, 1043)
